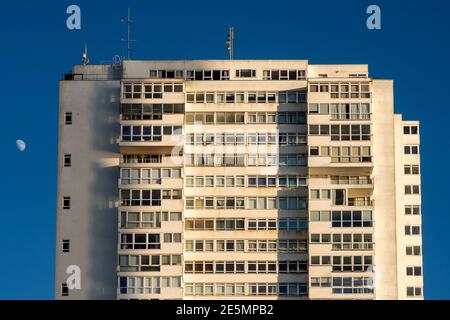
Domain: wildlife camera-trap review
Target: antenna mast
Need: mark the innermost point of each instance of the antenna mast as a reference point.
(230, 42)
(129, 40)
(85, 58)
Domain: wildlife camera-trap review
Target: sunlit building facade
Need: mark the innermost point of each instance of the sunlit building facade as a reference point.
(236, 179)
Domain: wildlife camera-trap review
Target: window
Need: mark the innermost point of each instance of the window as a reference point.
(249, 97)
(136, 197)
(414, 271)
(207, 75)
(146, 219)
(354, 111)
(412, 210)
(166, 74)
(351, 263)
(348, 132)
(146, 133)
(348, 241)
(410, 130)
(411, 150)
(172, 237)
(321, 282)
(245, 73)
(140, 241)
(320, 216)
(284, 74)
(413, 251)
(410, 190)
(64, 290)
(339, 197)
(320, 194)
(314, 151)
(68, 118)
(313, 108)
(67, 160)
(348, 219)
(413, 291)
(144, 158)
(412, 230)
(411, 170)
(350, 154)
(66, 245)
(349, 285)
(66, 203)
(149, 111)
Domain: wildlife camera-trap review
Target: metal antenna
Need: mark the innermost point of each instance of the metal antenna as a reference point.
(85, 58)
(128, 39)
(230, 42)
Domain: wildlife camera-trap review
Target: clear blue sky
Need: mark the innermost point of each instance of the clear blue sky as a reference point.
(36, 49)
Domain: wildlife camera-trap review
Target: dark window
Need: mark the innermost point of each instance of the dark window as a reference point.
(64, 290)
(66, 246)
(339, 198)
(167, 130)
(245, 73)
(66, 203)
(216, 74)
(198, 75)
(314, 151)
(67, 160)
(68, 118)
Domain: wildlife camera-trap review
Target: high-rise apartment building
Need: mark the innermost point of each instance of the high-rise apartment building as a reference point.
(236, 179)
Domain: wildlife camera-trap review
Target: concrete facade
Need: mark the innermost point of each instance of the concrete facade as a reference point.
(236, 179)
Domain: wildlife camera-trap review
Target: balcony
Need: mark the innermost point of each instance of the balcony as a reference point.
(351, 160)
(157, 182)
(326, 165)
(360, 202)
(145, 92)
(169, 112)
(352, 246)
(126, 181)
(154, 140)
(351, 181)
(141, 159)
(135, 159)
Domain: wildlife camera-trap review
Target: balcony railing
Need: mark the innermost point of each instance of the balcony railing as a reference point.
(144, 158)
(350, 116)
(140, 203)
(352, 224)
(140, 246)
(127, 181)
(351, 159)
(129, 138)
(352, 246)
(351, 180)
(149, 268)
(141, 116)
(360, 203)
(139, 290)
(141, 225)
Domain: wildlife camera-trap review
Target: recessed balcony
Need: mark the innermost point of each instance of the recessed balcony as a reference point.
(360, 202)
(343, 161)
(151, 140)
